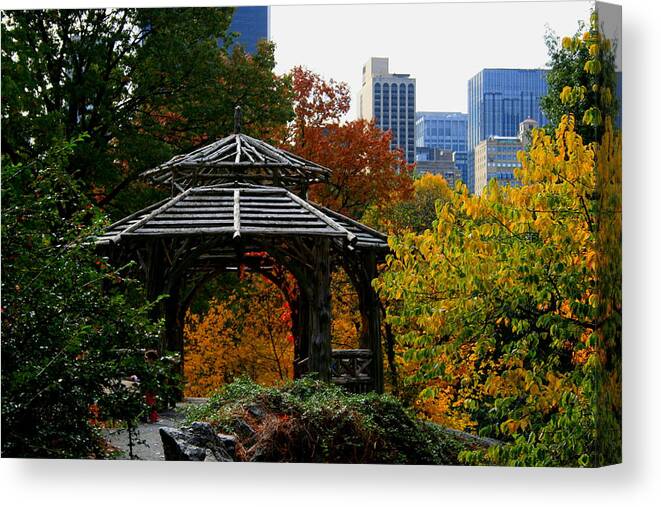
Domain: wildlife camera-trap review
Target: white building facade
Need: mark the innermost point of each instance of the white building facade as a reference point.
(389, 100)
(496, 158)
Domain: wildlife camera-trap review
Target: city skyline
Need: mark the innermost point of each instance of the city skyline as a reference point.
(427, 44)
(445, 130)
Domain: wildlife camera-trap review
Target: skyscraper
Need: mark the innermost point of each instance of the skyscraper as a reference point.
(389, 99)
(448, 131)
(498, 100)
(252, 23)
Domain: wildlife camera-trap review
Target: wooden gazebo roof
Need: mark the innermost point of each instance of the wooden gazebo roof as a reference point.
(241, 210)
(238, 157)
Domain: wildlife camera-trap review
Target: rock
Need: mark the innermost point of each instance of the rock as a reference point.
(243, 429)
(256, 411)
(473, 439)
(176, 447)
(202, 434)
(197, 443)
(229, 441)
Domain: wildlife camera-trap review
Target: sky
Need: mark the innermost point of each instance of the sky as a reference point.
(441, 45)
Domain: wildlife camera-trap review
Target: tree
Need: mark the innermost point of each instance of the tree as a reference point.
(346, 319)
(144, 83)
(131, 87)
(498, 308)
(71, 328)
(582, 80)
(249, 81)
(508, 311)
(365, 170)
(417, 213)
(247, 331)
(317, 103)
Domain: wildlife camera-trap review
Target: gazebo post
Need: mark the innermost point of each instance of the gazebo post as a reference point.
(362, 269)
(174, 329)
(319, 317)
(301, 323)
(174, 337)
(155, 282)
(373, 319)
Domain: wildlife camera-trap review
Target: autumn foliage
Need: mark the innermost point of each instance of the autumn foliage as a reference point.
(365, 170)
(247, 333)
(415, 213)
(499, 308)
(316, 102)
(508, 310)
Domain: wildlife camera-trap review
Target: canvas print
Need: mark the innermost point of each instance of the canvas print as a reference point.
(384, 234)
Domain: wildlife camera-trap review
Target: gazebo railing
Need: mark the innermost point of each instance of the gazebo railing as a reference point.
(351, 369)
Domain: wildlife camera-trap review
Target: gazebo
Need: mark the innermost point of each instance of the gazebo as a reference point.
(240, 203)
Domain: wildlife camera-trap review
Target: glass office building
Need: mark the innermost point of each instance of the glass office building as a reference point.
(252, 24)
(498, 100)
(448, 131)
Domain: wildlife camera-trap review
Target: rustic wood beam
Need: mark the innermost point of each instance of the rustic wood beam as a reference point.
(362, 269)
(319, 358)
(373, 311)
(149, 216)
(351, 237)
(237, 158)
(237, 214)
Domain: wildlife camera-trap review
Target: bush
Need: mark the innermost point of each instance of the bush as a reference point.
(311, 421)
(69, 332)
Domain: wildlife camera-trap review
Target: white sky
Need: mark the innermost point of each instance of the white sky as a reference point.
(441, 45)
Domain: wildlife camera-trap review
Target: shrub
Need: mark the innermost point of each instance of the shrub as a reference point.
(69, 331)
(311, 421)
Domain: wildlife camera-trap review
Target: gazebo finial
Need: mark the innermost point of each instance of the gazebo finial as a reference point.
(237, 119)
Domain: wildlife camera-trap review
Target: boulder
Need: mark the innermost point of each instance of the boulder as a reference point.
(229, 441)
(196, 443)
(177, 448)
(243, 429)
(256, 411)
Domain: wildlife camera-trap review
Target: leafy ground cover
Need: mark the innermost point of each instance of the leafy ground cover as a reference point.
(309, 421)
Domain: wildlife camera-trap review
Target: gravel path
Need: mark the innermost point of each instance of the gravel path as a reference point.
(149, 447)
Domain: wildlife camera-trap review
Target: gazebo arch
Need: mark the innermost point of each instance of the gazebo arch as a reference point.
(242, 202)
